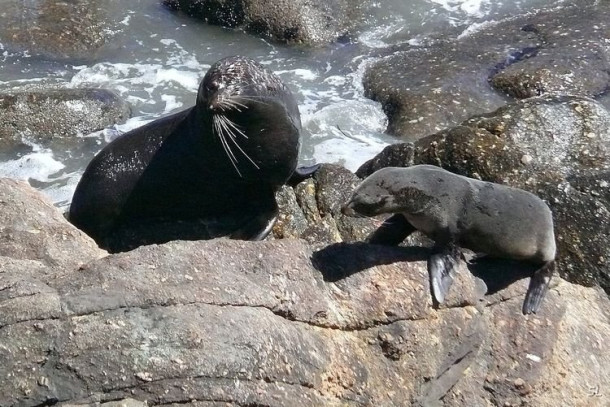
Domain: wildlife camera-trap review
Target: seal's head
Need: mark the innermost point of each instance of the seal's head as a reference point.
(388, 190)
(372, 197)
(249, 112)
(234, 81)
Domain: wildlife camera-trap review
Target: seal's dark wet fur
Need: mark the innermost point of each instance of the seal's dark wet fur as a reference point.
(207, 171)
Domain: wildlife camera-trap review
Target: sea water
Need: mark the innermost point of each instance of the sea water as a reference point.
(155, 59)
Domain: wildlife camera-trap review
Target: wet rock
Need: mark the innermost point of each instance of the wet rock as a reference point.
(55, 29)
(57, 116)
(571, 58)
(310, 22)
(556, 50)
(278, 323)
(557, 147)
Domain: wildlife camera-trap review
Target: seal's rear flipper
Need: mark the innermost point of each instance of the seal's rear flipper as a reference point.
(539, 285)
(392, 231)
(302, 173)
(442, 266)
(259, 226)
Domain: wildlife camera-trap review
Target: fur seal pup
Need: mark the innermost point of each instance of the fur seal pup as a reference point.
(457, 211)
(221, 161)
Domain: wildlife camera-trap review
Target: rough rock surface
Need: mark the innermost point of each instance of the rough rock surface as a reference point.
(553, 51)
(557, 147)
(33, 230)
(304, 21)
(55, 29)
(278, 323)
(312, 210)
(56, 115)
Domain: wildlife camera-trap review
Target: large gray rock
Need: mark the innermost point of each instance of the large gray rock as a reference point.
(304, 21)
(555, 147)
(572, 57)
(56, 116)
(276, 323)
(437, 86)
(55, 29)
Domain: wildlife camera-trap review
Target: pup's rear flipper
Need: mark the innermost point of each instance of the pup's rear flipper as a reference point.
(539, 285)
(442, 266)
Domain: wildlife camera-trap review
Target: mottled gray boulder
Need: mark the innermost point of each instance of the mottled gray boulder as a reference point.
(304, 21)
(427, 89)
(556, 147)
(276, 323)
(57, 116)
(312, 210)
(55, 29)
(571, 58)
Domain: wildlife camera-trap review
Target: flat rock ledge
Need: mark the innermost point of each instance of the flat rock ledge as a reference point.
(275, 323)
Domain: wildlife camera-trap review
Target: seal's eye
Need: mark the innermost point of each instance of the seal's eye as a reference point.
(212, 87)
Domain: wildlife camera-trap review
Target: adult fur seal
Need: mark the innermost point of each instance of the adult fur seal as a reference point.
(457, 211)
(204, 172)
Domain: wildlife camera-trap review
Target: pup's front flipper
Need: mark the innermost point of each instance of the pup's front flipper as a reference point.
(442, 267)
(539, 285)
(392, 231)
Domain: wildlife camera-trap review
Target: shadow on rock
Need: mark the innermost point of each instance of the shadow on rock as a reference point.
(341, 260)
(498, 274)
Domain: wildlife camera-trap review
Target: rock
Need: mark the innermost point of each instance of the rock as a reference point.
(570, 59)
(309, 22)
(57, 116)
(278, 323)
(566, 141)
(312, 210)
(555, 50)
(32, 229)
(55, 29)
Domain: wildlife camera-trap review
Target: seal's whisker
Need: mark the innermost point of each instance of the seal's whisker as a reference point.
(226, 122)
(229, 105)
(245, 154)
(235, 104)
(226, 128)
(218, 125)
(236, 127)
(259, 99)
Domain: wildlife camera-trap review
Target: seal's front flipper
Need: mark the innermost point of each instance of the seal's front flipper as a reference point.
(392, 231)
(442, 267)
(302, 173)
(539, 285)
(259, 226)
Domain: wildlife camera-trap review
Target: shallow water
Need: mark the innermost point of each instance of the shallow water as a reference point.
(155, 59)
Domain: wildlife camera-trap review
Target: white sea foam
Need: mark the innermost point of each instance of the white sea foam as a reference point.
(304, 74)
(379, 36)
(471, 8)
(61, 192)
(347, 132)
(38, 165)
(170, 103)
(476, 27)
